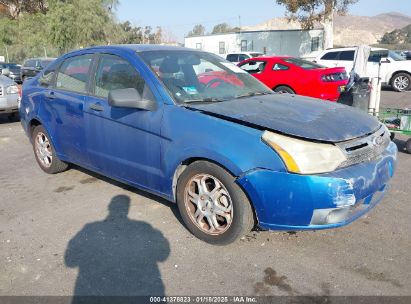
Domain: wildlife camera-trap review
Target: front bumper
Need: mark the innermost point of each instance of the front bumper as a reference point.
(285, 201)
(9, 103)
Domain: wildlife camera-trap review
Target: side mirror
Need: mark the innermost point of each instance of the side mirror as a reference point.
(5, 72)
(385, 60)
(130, 98)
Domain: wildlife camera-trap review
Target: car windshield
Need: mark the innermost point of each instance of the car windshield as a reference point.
(194, 76)
(45, 63)
(306, 65)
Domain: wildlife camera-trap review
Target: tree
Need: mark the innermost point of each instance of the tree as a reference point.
(16, 7)
(308, 12)
(224, 28)
(198, 30)
(77, 23)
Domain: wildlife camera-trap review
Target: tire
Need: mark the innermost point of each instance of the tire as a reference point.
(231, 201)
(392, 135)
(44, 152)
(284, 90)
(401, 82)
(408, 146)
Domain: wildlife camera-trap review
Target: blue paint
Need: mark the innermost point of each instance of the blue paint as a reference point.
(144, 149)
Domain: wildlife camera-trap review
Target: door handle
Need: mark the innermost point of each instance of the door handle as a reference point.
(96, 107)
(50, 95)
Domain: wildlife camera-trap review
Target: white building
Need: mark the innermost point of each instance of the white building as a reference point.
(298, 43)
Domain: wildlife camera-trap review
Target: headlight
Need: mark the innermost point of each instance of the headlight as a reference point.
(13, 89)
(305, 157)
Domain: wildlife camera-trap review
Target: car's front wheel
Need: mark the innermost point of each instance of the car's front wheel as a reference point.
(44, 152)
(401, 82)
(213, 207)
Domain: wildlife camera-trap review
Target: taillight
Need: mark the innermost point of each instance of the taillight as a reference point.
(334, 77)
(20, 90)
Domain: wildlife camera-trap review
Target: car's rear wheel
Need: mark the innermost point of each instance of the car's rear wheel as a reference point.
(213, 207)
(401, 82)
(284, 90)
(44, 152)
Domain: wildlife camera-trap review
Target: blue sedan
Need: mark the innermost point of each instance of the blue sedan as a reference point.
(195, 129)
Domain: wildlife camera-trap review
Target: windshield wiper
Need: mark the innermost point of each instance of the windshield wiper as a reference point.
(252, 94)
(208, 99)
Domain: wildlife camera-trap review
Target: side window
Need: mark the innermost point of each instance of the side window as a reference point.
(113, 73)
(330, 56)
(347, 55)
(232, 58)
(73, 74)
(376, 56)
(280, 67)
(242, 57)
(254, 67)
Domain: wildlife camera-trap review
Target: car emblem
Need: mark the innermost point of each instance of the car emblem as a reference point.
(378, 141)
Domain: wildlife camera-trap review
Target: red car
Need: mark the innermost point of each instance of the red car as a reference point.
(296, 76)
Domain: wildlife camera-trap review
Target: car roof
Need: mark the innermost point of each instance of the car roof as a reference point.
(141, 47)
(351, 49)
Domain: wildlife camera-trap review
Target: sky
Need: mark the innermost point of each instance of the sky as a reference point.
(179, 16)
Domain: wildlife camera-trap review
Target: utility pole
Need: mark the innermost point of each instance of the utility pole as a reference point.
(7, 55)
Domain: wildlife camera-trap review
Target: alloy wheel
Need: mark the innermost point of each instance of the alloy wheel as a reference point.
(43, 150)
(209, 204)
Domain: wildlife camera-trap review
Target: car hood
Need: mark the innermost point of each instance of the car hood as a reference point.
(6, 81)
(293, 115)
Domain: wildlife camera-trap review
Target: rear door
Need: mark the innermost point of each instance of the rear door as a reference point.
(123, 143)
(64, 103)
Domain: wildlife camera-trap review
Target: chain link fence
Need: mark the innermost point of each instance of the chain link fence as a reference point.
(19, 53)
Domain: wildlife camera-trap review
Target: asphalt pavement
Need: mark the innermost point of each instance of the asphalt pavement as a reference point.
(78, 233)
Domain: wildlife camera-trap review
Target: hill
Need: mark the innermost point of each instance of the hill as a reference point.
(350, 29)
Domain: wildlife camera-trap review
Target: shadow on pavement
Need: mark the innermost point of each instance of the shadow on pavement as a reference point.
(117, 256)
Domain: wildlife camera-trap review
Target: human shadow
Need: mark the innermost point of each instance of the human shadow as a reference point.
(117, 256)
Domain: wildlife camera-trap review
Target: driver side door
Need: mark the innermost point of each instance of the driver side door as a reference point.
(123, 143)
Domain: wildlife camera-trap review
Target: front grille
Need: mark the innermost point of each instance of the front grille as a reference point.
(366, 148)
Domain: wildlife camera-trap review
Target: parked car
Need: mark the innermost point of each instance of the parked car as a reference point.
(394, 70)
(33, 66)
(9, 95)
(292, 75)
(14, 70)
(231, 155)
(238, 57)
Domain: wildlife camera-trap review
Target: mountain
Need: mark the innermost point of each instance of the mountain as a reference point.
(349, 30)
(401, 36)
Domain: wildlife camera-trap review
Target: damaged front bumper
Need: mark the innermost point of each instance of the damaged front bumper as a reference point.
(285, 201)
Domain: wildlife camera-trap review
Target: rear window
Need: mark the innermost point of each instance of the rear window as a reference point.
(330, 56)
(30, 63)
(306, 65)
(45, 63)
